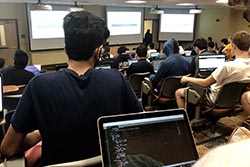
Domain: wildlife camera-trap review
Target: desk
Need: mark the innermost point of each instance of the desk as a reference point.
(10, 88)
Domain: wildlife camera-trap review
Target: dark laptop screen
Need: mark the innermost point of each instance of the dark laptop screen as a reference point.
(159, 141)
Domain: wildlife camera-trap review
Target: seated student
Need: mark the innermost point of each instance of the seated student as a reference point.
(210, 48)
(174, 65)
(245, 101)
(223, 44)
(17, 75)
(121, 59)
(228, 50)
(238, 70)
(2, 62)
(142, 65)
(151, 49)
(200, 48)
(65, 105)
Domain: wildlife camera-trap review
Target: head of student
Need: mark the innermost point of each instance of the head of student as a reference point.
(241, 40)
(20, 59)
(200, 44)
(85, 34)
(141, 51)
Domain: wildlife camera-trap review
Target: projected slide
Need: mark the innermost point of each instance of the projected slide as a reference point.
(47, 24)
(124, 23)
(177, 23)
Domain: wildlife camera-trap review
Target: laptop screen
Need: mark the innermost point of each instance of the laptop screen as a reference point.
(210, 62)
(161, 138)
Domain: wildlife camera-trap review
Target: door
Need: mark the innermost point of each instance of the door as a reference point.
(8, 40)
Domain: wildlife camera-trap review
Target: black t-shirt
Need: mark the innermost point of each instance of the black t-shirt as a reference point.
(65, 107)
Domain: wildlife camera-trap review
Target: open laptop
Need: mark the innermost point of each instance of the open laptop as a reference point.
(208, 63)
(130, 61)
(156, 64)
(103, 66)
(157, 138)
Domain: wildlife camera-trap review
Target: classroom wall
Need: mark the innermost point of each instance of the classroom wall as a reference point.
(216, 22)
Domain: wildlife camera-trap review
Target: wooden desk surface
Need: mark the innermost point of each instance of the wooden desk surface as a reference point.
(10, 88)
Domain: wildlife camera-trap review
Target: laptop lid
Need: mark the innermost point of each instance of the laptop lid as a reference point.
(208, 63)
(132, 61)
(156, 64)
(157, 138)
(103, 66)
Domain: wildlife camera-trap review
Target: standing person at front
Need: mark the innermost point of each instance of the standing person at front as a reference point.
(64, 106)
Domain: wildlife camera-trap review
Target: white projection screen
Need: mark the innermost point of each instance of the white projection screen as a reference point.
(46, 27)
(178, 24)
(125, 25)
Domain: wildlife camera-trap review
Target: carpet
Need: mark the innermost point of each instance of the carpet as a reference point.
(206, 140)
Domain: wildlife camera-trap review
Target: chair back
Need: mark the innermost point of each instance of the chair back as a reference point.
(230, 94)
(169, 86)
(136, 79)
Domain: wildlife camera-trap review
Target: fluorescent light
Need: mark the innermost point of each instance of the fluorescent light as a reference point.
(41, 6)
(136, 1)
(221, 1)
(185, 4)
(75, 9)
(195, 11)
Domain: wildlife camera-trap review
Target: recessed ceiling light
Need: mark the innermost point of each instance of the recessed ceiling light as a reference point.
(185, 4)
(135, 1)
(221, 1)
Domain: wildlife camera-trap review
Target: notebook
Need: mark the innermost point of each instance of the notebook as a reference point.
(208, 63)
(156, 64)
(157, 138)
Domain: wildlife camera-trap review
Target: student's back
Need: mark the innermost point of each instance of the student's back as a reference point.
(17, 75)
(74, 106)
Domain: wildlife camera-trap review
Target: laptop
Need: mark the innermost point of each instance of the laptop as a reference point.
(33, 68)
(156, 64)
(154, 55)
(157, 138)
(130, 61)
(208, 63)
(103, 66)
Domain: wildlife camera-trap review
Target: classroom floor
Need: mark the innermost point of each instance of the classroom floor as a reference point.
(205, 140)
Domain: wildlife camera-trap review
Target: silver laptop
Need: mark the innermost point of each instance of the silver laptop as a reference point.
(158, 138)
(208, 63)
(132, 61)
(157, 63)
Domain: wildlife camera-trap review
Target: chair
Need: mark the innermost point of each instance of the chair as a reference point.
(95, 161)
(166, 94)
(135, 81)
(146, 94)
(225, 104)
